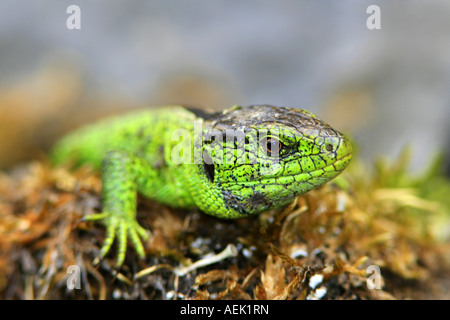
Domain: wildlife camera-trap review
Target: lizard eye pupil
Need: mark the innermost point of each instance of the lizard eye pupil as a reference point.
(272, 145)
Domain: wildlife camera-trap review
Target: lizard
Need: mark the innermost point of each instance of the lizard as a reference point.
(230, 164)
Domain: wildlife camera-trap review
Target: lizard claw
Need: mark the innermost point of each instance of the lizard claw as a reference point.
(121, 228)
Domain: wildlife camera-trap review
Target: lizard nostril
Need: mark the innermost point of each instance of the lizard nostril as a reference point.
(329, 147)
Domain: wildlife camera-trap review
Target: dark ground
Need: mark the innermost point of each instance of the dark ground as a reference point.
(319, 247)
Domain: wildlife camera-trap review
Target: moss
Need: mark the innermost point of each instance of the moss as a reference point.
(318, 247)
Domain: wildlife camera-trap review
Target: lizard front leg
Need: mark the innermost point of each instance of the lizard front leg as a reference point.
(119, 193)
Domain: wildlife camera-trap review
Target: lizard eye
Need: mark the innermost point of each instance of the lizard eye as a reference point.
(272, 145)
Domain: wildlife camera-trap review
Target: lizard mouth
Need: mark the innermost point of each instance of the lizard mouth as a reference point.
(341, 163)
(303, 177)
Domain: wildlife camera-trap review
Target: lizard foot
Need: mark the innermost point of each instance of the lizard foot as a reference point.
(121, 228)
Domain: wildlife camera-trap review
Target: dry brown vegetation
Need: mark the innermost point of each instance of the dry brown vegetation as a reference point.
(319, 247)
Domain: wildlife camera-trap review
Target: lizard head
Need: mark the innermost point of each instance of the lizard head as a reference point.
(262, 157)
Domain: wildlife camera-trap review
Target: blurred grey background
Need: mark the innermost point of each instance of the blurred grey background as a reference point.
(387, 88)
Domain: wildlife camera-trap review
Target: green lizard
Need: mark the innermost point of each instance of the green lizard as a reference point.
(229, 164)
